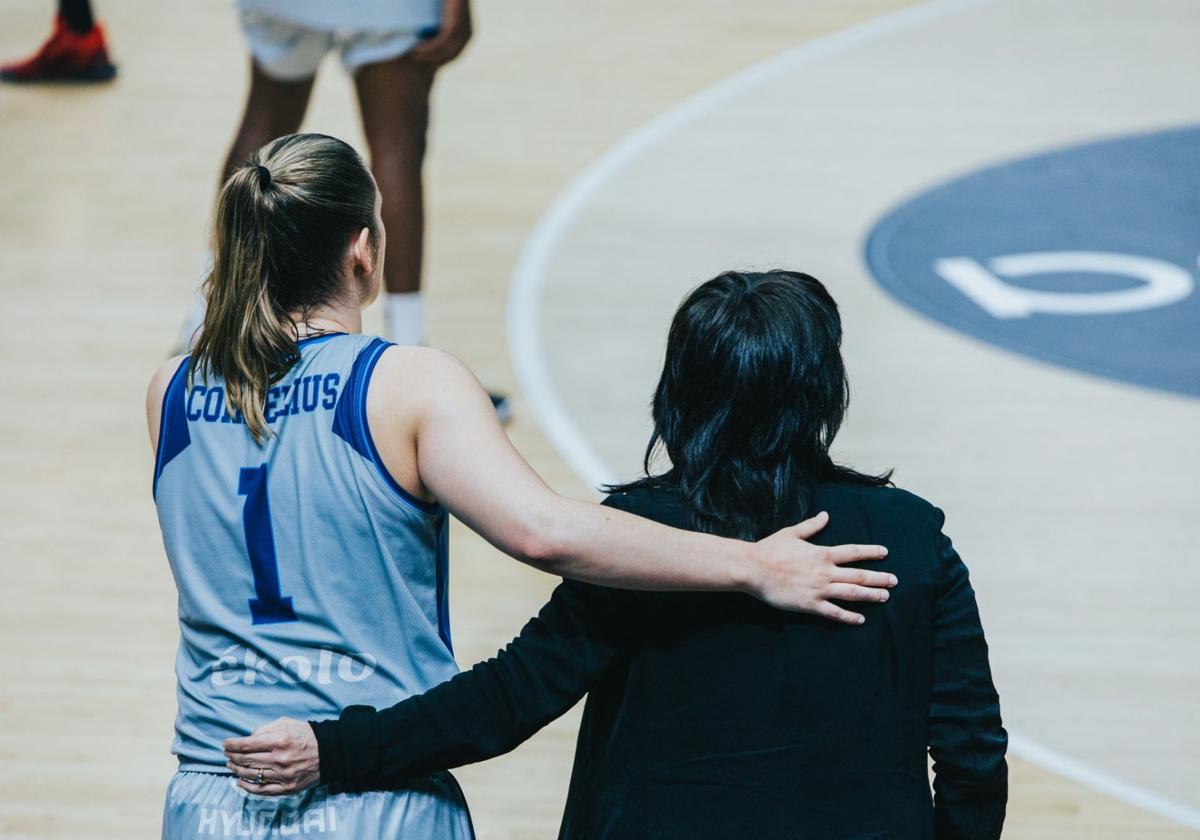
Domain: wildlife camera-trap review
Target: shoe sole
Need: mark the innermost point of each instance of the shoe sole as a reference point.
(91, 75)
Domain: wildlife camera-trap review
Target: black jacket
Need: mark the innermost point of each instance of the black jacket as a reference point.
(714, 715)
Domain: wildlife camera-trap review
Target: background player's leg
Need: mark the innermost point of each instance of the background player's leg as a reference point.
(75, 51)
(273, 108)
(394, 99)
(77, 14)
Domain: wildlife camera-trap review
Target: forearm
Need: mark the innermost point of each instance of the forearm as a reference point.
(369, 749)
(488, 710)
(606, 546)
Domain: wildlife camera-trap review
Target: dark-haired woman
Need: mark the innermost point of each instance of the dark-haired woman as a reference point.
(303, 475)
(712, 715)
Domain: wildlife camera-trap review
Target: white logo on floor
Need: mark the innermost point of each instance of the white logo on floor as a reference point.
(1161, 283)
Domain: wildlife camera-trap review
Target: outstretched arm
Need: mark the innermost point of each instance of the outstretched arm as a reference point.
(479, 714)
(428, 401)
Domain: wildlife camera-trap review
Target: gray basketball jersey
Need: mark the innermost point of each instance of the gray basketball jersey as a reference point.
(308, 579)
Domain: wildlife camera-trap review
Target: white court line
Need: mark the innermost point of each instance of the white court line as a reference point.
(524, 302)
(529, 278)
(1098, 780)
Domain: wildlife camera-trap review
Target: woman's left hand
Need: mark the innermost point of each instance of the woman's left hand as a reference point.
(279, 757)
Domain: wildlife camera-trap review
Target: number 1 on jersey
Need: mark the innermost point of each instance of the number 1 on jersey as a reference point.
(271, 606)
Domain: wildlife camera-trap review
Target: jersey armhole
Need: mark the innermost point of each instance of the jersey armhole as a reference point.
(350, 423)
(173, 434)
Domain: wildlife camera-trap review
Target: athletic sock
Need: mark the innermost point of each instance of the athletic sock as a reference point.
(77, 14)
(404, 317)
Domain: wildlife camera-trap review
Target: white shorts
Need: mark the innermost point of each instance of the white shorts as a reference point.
(290, 51)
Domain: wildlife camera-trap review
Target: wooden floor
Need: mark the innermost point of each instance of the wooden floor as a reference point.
(104, 197)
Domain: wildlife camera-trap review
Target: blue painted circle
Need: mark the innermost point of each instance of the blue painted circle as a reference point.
(1132, 200)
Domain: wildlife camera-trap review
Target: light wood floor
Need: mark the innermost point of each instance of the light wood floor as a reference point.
(104, 196)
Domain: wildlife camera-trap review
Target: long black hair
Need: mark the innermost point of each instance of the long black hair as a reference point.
(752, 393)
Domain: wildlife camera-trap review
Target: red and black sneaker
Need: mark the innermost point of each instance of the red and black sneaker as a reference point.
(67, 56)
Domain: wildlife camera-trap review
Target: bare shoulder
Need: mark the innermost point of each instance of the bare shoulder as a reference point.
(155, 393)
(414, 388)
(416, 362)
(422, 373)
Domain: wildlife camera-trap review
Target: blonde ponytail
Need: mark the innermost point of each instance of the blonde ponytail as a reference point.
(282, 225)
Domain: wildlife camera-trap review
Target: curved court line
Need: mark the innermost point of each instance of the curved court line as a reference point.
(524, 302)
(1069, 768)
(529, 279)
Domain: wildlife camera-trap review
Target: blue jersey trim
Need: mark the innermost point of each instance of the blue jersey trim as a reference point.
(442, 585)
(350, 422)
(173, 434)
(346, 423)
(317, 339)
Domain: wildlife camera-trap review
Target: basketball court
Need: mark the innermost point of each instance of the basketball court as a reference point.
(1001, 195)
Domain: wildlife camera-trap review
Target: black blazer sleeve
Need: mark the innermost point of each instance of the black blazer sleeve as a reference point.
(488, 710)
(966, 738)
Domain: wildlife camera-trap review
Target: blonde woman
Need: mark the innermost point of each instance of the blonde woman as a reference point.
(304, 475)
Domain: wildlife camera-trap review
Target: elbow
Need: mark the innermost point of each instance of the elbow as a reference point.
(540, 544)
(539, 553)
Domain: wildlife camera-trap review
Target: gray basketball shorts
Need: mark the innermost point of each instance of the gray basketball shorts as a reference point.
(205, 805)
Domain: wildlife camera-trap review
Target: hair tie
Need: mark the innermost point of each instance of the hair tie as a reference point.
(264, 176)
